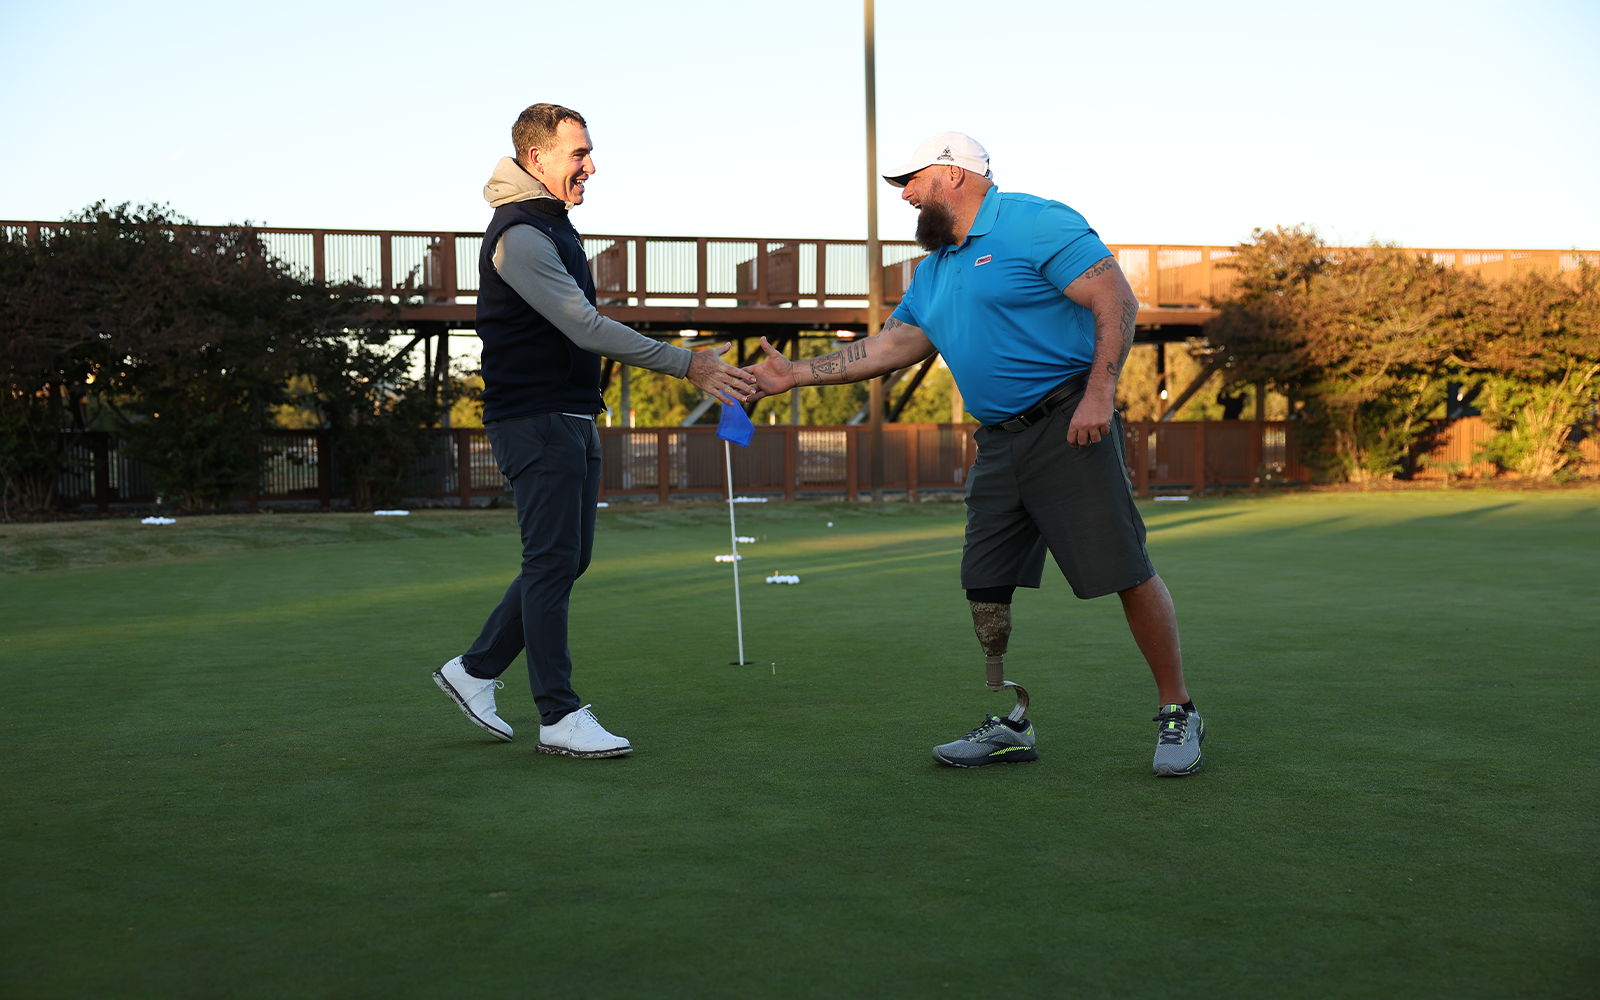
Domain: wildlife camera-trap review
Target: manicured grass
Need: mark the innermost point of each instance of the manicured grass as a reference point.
(226, 772)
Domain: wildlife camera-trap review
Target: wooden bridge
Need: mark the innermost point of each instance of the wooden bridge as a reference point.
(741, 289)
(759, 286)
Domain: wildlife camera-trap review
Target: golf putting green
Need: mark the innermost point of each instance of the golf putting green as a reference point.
(227, 772)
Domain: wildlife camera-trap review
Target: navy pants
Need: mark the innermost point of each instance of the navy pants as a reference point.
(553, 463)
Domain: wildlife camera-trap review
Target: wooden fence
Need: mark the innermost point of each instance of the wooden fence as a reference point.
(668, 462)
(1449, 449)
(674, 461)
(459, 466)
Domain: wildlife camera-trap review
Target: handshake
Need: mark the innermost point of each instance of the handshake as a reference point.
(770, 377)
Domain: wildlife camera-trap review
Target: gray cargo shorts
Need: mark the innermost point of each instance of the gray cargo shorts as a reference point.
(1031, 490)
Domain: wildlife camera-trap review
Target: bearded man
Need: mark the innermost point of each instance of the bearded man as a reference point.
(542, 342)
(1035, 320)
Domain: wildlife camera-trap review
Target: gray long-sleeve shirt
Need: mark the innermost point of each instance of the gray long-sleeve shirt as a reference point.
(529, 263)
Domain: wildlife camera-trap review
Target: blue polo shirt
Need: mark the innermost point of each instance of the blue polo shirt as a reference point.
(994, 307)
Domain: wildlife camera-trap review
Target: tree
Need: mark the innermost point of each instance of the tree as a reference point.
(1536, 362)
(1366, 338)
(374, 413)
(178, 337)
(51, 348)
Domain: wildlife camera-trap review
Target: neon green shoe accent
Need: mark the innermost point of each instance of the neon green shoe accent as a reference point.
(996, 753)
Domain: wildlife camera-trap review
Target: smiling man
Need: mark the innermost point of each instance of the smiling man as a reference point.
(1035, 320)
(542, 343)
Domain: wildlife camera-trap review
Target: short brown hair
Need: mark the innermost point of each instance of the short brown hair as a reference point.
(537, 125)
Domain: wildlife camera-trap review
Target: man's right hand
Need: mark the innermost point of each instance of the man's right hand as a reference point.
(773, 376)
(709, 372)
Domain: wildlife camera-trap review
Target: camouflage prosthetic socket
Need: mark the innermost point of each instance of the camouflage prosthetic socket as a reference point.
(992, 623)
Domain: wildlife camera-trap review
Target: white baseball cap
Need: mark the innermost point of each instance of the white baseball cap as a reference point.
(955, 148)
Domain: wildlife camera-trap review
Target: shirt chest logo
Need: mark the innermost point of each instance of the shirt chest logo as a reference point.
(986, 258)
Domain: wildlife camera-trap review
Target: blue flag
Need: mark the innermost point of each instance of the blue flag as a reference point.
(735, 425)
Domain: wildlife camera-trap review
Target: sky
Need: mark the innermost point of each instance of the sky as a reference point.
(1459, 124)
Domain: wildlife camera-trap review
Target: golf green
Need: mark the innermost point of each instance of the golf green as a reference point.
(226, 772)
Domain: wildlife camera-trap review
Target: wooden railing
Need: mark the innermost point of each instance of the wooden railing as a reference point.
(786, 460)
(295, 465)
(757, 271)
(680, 461)
(668, 462)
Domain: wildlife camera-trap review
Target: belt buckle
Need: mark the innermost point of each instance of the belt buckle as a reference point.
(1016, 424)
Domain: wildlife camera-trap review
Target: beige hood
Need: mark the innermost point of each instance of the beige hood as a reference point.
(510, 183)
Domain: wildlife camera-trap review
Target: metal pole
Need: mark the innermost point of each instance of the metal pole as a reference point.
(444, 376)
(874, 258)
(733, 535)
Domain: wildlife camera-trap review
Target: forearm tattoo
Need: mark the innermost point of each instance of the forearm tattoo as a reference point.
(835, 364)
(1104, 324)
(1130, 320)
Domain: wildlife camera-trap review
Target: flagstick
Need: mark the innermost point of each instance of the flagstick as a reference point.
(733, 533)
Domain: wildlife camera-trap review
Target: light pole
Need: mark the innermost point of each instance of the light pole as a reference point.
(874, 261)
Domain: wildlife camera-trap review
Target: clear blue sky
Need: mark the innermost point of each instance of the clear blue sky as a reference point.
(1432, 124)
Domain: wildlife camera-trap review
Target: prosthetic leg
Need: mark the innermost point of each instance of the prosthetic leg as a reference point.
(991, 621)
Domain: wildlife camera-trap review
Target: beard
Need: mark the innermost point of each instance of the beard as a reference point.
(936, 225)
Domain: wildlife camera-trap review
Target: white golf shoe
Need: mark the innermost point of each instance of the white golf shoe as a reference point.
(580, 734)
(475, 695)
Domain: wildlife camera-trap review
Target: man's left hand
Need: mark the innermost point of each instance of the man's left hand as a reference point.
(1091, 421)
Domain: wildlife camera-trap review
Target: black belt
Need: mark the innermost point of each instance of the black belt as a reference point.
(1043, 408)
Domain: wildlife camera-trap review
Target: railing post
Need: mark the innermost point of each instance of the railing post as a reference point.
(639, 258)
(1153, 279)
(701, 268)
(319, 256)
(464, 466)
(663, 461)
(851, 480)
(763, 279)
(386, 263)
(822, 273)
(791, 459)
(447, 264)
(252, 501)
(912, 437)
(324, 471)
(1141, 448)
(1258, 430)
(100, 441)
(1199, 456)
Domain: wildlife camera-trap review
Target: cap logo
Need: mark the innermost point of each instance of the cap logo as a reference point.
(946, 155)
(986, 258)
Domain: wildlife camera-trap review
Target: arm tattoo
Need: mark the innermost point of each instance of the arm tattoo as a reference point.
(828, 364)
(1101, 267)
(1130, 318)
(837, 362)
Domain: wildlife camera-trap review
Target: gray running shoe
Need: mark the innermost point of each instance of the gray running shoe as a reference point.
(1178, 742)
(997, 741)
